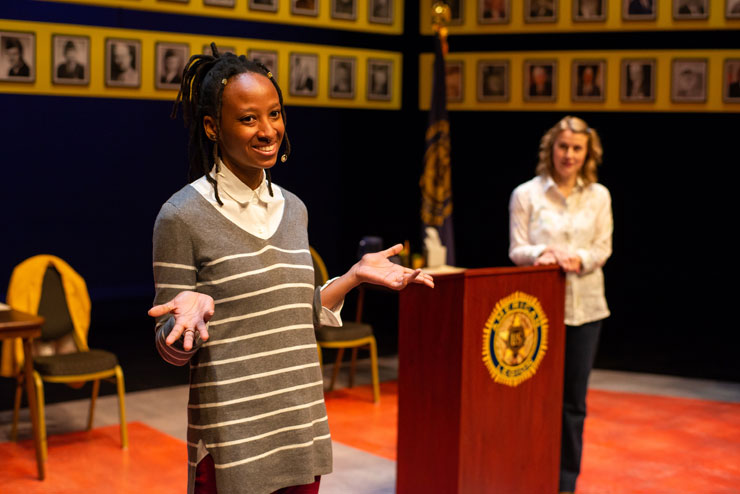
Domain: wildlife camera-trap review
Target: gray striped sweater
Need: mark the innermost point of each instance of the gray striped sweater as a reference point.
(256, 392)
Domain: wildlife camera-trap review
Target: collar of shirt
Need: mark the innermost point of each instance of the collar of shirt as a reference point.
(240, 192)
(549, 183)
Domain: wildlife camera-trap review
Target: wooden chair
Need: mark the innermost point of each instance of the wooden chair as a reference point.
(70, 368)
(352, 334)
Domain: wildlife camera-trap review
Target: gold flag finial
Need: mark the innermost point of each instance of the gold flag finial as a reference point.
(440, 18)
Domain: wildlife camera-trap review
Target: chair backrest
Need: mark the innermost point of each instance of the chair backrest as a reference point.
(53, 307)
(320, 274)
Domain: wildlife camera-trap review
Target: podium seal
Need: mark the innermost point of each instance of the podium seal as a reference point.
(515, 339)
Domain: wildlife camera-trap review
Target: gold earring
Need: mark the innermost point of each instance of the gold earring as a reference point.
(284, 158)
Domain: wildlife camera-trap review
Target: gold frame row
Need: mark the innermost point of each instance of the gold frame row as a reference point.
(315, 13)
(470, 18)
(325, 62)
(675, 81)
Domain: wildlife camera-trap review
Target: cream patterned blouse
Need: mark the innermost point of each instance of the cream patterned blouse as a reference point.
(540, 216)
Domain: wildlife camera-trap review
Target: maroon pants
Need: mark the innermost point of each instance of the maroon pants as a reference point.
(205, 481)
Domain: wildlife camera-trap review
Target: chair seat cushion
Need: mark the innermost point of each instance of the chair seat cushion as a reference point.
(72, 364)
(350, 331)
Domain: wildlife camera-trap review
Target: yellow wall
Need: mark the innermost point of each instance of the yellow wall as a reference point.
(612, 101)
(565, 23)
(97, 88)
(241, 11)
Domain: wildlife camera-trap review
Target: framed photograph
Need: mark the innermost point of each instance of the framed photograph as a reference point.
(637, 80)
(122, 62)
(304, 7)
(342, 77)
(731, 87)
(540, 80)
(494, 11)
(379, 79)
(381, 11)
(344, 9)
(221, 49)
(588, 80)
(219, 3)
(70, 60)
(493, 80)
(457, 9)
(732, 9)
(540, 10)
(264, 5)
(589, 10)
(304, 74)
(639, 10)
(454, 83)
(267, 58)
(17, 56)
(689, 80)
(170, 60)
(691, 9)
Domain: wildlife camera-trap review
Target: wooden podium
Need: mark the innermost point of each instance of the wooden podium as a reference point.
(459, 431)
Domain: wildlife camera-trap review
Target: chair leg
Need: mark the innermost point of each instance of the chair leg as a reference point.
(41, 414)
(16, 407)
(122, 406)
(352, 366)
(337, 364)
(321, 358)
(374, 365)
(93, 399)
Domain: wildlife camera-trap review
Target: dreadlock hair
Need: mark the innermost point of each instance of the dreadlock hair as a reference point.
(203, 81)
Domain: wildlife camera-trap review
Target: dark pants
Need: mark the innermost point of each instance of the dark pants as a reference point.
(205, 481)
(580, 350)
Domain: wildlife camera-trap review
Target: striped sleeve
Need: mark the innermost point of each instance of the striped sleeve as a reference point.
(174, 272)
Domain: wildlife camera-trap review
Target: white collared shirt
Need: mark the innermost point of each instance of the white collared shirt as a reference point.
(256, 212)
(540, 216)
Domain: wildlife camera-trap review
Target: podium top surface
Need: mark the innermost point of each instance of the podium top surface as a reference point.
(494, 271)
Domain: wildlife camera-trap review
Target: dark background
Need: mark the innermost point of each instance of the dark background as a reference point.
(83, 179)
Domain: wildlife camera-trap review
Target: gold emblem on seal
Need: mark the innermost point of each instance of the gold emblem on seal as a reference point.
(515, 339)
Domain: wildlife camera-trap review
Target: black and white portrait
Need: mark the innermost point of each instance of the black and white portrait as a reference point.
(70, 59)
(267, 58)
(540, 10)
(637, 81)
(342, 77)
(344, 9)
(732, 9)
(689, 80)
(17, 56)
(540, 80)
(588, 80)
(639, 10)
(731, 86)
(380, 11)
(221, 49)
(304, 72)
(454, 70)
(493, 80)
(170, 61)
(493, 11)
(457, 8)
(304, 7)
(690, 9)
(219, 3)
(264, 5)
(379, 79)
(589, 10)
(122, 62)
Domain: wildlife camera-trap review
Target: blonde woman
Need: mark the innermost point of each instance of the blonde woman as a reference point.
(563, 216)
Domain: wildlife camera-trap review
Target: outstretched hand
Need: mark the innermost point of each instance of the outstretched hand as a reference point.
(377, 269)
(191, 310)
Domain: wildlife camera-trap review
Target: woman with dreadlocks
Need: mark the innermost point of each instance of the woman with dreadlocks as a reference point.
(235, 293)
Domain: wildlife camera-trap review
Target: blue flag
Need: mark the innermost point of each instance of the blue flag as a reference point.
(436, 182)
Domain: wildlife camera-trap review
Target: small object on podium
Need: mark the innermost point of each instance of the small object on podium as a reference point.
(417, 261)
(4, 306)
(436, 253)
